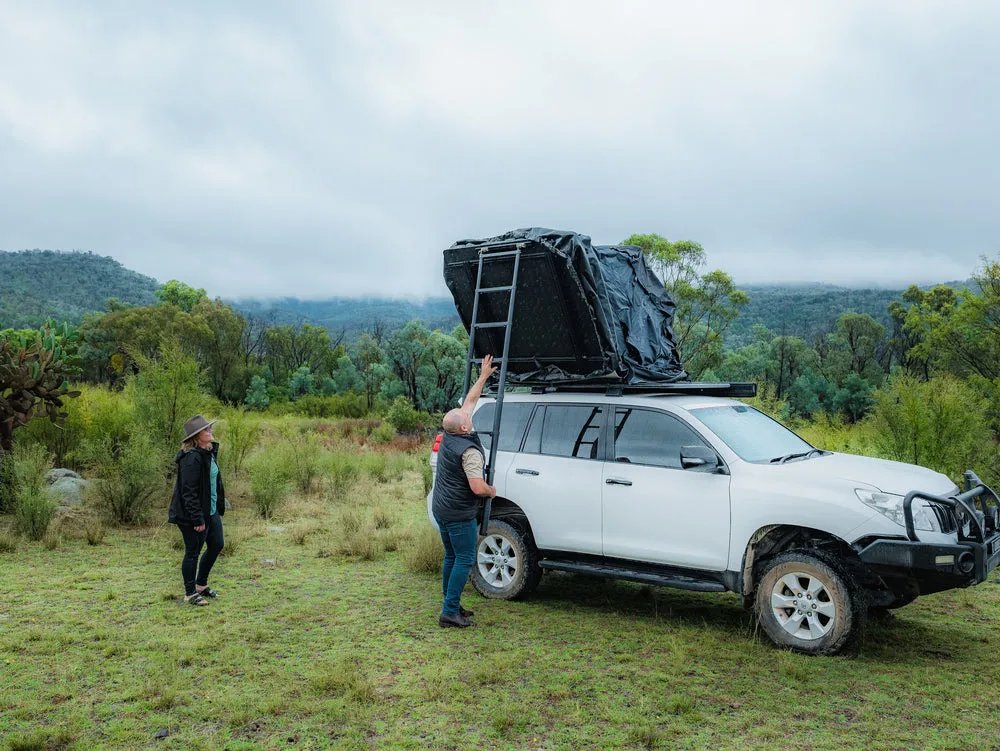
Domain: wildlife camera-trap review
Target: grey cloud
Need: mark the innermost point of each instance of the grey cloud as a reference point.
(315, 149)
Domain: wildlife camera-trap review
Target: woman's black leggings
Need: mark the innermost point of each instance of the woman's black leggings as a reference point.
(211, 537)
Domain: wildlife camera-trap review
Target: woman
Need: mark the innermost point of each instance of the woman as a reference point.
(197, 507)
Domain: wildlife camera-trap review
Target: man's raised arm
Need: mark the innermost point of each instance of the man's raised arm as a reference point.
(477, 388)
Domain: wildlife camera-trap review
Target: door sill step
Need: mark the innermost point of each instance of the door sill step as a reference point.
(664, 579)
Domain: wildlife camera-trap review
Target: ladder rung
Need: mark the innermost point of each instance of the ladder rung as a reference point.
(508, 288)
(491, 325)
(479, 360)
(501, 254)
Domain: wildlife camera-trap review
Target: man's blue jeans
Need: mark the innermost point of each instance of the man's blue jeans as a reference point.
(459, 540)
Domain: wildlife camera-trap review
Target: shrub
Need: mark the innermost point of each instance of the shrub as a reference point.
(375, 466)
(383, 518)
(939, 424)
(425, 553)
(403, 417)
(384, 433)
(95, 532)
(242, 433)
(52, 539)
(7, 489)
(127, 477)
(348, 405)
(299, 459)
(165, 393)
(342, 470)
(268, 485)
(257, 396)
(98, 415)
(33, 511)
(8, 542)
(29, 463)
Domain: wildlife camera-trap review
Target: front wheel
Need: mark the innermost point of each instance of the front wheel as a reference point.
(807, 603)
(506, 566)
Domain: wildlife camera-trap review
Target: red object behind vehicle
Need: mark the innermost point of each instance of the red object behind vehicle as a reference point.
(437, 442)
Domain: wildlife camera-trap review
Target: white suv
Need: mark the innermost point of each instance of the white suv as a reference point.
(706, 493)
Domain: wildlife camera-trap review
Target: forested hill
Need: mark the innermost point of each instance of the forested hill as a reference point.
(40, 284)
(35, 284)
(805, 309)
(353, 315)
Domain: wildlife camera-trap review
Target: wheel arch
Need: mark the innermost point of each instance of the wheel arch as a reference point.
(774, 539)
(507, 510)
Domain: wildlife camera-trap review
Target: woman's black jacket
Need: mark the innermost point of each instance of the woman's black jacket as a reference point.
(193, 492)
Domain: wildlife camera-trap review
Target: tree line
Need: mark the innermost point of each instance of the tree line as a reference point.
(248, 359)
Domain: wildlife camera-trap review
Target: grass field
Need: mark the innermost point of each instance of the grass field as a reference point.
(320, 641)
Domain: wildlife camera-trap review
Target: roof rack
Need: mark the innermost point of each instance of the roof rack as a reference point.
(735, 390)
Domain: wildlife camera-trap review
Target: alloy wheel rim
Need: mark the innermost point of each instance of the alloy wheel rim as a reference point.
(497, 561)
(802, 606)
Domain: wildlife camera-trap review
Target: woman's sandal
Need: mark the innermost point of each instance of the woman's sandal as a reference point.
(196, 599)
(206, 592)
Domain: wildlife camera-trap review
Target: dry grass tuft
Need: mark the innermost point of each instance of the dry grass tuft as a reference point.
(424, 553)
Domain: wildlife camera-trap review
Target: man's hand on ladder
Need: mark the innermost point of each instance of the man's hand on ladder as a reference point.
(488, 368)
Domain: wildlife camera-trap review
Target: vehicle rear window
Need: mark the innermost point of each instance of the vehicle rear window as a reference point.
(513, 421)
(572, 430)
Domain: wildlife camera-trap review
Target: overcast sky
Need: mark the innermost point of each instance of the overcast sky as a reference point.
(318, 148)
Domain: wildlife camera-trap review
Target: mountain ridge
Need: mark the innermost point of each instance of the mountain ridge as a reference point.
(36, 284)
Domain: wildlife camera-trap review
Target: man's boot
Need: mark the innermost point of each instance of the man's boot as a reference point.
(453, 621)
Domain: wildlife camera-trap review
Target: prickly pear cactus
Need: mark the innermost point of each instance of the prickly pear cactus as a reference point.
(35, 368)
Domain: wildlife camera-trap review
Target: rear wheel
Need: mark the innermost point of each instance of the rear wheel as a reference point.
(808, 603)
(506, 566)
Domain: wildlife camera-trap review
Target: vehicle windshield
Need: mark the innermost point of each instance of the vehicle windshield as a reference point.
(753, 435)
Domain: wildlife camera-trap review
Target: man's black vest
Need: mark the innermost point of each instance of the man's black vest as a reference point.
(453, 499)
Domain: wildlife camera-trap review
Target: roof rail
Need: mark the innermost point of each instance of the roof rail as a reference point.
(735, 390)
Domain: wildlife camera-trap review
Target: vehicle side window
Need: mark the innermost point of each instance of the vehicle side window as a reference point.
(647, 437)
(571, 430)
(513, 421)
(533, 441)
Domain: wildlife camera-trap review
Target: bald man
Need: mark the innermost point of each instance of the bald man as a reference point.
(458, 486)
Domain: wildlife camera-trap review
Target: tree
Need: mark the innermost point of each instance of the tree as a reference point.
(706, 303)
(367, 356)
(915, 324)
(346, 378)
(219, 348)
(257, 397)
(35, 368)
(301, 383)
(404, 352)
(788, 358)
(180, 295)
(857, 345)
(941, 424)
(441, 373)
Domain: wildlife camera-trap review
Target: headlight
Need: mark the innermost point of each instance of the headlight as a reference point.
(891, 505)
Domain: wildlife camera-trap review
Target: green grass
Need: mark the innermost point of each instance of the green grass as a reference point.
(312, 647)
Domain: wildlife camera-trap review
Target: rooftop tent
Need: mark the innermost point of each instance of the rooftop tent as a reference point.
(582, 313)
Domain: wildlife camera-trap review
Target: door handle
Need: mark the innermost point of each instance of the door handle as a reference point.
(618, 481)
(527, 472)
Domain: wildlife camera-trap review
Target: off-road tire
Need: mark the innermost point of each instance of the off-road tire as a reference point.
(506, 566)
(827, 618)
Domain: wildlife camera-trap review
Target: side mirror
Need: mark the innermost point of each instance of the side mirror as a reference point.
(699, 457)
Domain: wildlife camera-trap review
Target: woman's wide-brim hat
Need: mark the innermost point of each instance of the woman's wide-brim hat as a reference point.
(195, 425)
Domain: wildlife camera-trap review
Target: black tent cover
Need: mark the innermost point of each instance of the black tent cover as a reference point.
(583, 313)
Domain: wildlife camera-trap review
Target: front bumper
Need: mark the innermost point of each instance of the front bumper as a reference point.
(933, 567)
